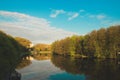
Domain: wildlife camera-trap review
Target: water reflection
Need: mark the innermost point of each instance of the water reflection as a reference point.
(92, 69)
(41, 57)
(45, 70)
(27, 60)
(66, 68)
(23, 63)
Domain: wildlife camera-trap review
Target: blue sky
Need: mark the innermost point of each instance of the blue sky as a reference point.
(69, 16)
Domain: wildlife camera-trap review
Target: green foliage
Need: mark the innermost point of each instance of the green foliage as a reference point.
(104, 43)
(10, 52)
(41, 49)
(24, 42)
(10, 49)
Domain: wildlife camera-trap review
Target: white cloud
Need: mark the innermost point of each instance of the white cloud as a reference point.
(98, 16)
(75, 15)
(110, 22)
(55, 13)
(72, 15)
(32, 28)
(81, 13)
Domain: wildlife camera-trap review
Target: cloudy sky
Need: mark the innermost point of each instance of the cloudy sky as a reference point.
(44, 21)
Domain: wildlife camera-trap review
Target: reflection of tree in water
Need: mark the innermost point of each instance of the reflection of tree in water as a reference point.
(41, 57)
(24, 63)
(93, 69)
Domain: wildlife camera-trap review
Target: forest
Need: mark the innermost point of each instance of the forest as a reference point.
(102, 43)
(41, 48)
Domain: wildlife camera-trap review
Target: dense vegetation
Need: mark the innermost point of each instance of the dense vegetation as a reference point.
(10, 52)
(41, 49)
(103, 43)
(24, 42)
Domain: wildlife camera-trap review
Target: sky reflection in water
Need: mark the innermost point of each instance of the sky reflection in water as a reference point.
(61, 68)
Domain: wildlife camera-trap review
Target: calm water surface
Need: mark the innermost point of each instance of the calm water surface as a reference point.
(64, 68)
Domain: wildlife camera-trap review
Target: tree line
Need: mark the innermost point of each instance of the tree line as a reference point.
(41, 47)
(102, 43)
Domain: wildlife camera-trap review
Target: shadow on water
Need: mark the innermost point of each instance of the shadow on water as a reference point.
(27, 61)
(23, 63)
(93, 69)
(41, 57)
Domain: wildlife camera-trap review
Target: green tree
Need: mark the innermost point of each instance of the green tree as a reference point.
(24, 42)
(103, 43)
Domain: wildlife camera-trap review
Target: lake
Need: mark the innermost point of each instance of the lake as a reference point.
(66, 68)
